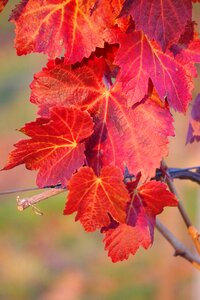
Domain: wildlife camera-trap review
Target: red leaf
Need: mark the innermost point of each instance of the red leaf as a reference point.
(49, 26)
(140, 60)
(188, 56)
(147, 201)
(3, 4)
(163, 21)
(194, 125)
(155, 196)
(125, 240)
(188, 35)
(63, 84)
(55, 147)
(135, 137)
(93, 197)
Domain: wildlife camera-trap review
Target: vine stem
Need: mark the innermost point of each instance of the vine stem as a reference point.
(22, 190)
(180, 249)
(24, 203)
(174, 173)
(193, 232)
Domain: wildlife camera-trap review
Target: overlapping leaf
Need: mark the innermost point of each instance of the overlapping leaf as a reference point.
(194, 126)
(141, 59)
(147, 201)
(136, 137)
(163, 21)
(55, 147)
(78, 26)
(3, 4)
(62, 84)
(94, 197)
(188, 56)
(88, 120)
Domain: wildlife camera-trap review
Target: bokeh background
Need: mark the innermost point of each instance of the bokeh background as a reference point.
(51, 257)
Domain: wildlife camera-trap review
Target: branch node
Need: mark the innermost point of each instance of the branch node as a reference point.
(22, 204)
(193, 232)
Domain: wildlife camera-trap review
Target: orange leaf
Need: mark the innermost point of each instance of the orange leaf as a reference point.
(94, 197)
(124, 240)
(55, 147)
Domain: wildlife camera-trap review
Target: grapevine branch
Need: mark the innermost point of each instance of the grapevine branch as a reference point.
(175, 173)
(193, 232)
(31, 201)
(180, 249)
(170, 173)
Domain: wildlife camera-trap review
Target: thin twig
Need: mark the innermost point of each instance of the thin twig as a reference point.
(180, 249)
(18, 191)
(31, 201)
(22, 190)
(179, 173)
(172, 188)
(193, 232)
(191, 173)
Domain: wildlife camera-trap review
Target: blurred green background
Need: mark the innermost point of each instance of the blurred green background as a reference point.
(51, 257)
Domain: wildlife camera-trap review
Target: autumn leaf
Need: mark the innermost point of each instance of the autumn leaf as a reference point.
(188, 35)
(141, 59)
(94, 197)
(124, 240)
(3, 4)
(77, 26)
(147, 201)
(137, 137)
(163, 21)
(63, 84)
(134, 137)
(194, 125)
(55, 146)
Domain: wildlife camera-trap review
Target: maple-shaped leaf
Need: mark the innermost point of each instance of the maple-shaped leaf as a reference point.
(189, 53)
(135, 137)
(188, 56)
(141, 59)
(55, 147)
(124, 240)
(77, 26)
(147, 201)
(94, 197)
(163, 21)
(63, 84)
(194, 125)
(3, 4)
